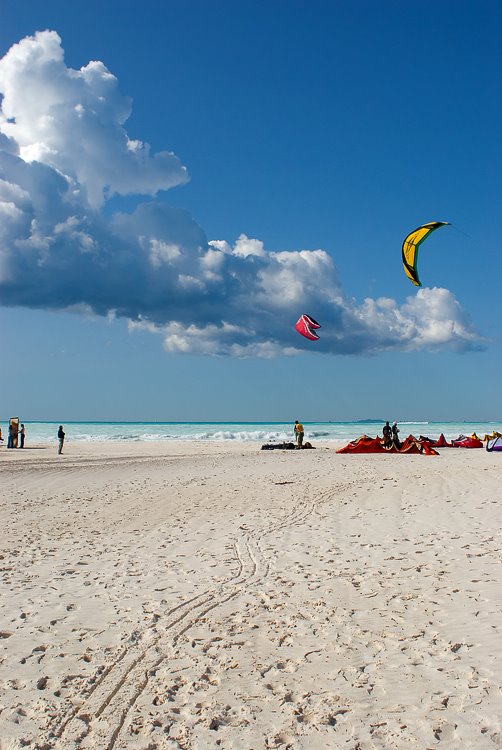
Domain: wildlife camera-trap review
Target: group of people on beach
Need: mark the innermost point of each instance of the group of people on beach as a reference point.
(16, 437)
(391, 435)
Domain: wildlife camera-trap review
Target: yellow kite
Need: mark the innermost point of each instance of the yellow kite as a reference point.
(411, 245)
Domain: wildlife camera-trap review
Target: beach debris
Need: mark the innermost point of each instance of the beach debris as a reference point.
(283, 738)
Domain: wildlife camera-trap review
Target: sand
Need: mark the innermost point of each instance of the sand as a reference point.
(191, 595)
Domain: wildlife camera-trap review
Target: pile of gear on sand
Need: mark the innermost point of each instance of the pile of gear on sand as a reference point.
(300, 445)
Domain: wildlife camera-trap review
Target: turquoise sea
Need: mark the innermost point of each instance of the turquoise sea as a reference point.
(242, 431)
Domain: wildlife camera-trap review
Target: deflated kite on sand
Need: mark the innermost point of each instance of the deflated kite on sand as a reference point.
(494, 444)
(365, 444)
(462, 441)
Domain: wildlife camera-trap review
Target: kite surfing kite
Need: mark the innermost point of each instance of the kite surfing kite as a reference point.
(411, 245)
(306, 326)
(494, 444)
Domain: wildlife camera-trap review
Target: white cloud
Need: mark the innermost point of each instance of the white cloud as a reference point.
(72, 120)
(64, 151)
(244, 247)
(163, 252)
(430, 320)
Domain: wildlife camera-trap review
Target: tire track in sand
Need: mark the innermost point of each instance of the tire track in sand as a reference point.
(101, 716)
(99, 720)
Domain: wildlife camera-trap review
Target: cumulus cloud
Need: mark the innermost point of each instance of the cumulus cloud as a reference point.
(72, 121)
(64, 152)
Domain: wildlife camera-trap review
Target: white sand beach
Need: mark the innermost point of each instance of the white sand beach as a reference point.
(211, 595)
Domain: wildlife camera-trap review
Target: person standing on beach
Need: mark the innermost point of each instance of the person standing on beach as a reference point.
(22, 433)
(299, 432)
(10, 439)
(61, 435)
(387, 439)
(395, 437)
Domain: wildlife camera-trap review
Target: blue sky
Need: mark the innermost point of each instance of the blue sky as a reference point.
(305, 140)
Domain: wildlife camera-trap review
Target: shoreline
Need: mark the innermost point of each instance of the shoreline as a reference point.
(213, 595)
(39, 433)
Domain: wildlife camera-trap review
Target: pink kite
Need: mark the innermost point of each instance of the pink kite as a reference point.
(306, 325)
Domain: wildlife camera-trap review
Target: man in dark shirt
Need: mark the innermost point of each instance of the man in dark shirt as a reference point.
(60, 438)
